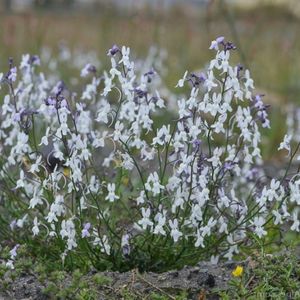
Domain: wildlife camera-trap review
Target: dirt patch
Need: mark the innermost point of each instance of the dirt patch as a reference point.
(202, 278)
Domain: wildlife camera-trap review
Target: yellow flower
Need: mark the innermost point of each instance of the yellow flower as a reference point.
(238, 271)
(66, 171)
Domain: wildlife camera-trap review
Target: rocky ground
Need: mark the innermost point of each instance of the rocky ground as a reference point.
(195, 282)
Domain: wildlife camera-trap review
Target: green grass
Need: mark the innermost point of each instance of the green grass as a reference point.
(270, 277)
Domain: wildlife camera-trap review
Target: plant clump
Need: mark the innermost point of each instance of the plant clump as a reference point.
(118, 176)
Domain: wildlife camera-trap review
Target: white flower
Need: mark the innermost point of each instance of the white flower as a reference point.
(125, 57)
(175, 233)
(105, 247)
(91, 89)
(85, 230)
(145, 221)
(108, 160)
(258, 222)
(118, 131)
(274, 185)
(25, 62)
(183, 110)
(163, 136)
(35, 167)
(68, 231)
(214, 259)
(215, 43)
(35, 228)
(215, 159)
(249, 80)
(153, 184)
(111, 192)
(13, 251)
(86, 70)
(114, 71)
(206, 230)
(296, 223)
(285, 144)
(102, 114)
(21, 182)
(295, 192)
(141, 198)
(210, 81)
(57, 209)
(12, 74)
(44, 140)
(223, 226)
(36, 199)
(173, 183)
(10, 264)
(182, 80)
(200, 240)
(159, 101)
(278, 217)
(161, 221)
(127, 162)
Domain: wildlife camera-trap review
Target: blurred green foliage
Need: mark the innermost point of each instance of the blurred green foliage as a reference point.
(268, 40)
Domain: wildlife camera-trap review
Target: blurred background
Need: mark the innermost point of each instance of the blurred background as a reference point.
(266, 32)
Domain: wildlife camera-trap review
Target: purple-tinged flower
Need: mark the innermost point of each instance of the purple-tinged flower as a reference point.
(12, 74)
(252, 174)
(13, 251)
(202, 77)
(126, 250)
(18, 116)
(229, 165)
(59, 87)
(258, 103)
(35, 60)
(215, 44)
(149, 75)
(261, 110)
(113, 50)
(140, 93)
(50, 101)
(197, 79)
(87, 70)
(229, 46)
(197, 144)
(220, 39)
(63, 103)
(200, 163)
(85, 230)
(263, 117)
(13, 224)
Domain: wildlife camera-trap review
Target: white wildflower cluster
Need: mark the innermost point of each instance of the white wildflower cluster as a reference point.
(13, 254)
(104, 167)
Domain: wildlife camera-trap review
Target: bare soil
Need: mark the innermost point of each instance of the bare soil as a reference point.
(196, 281)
